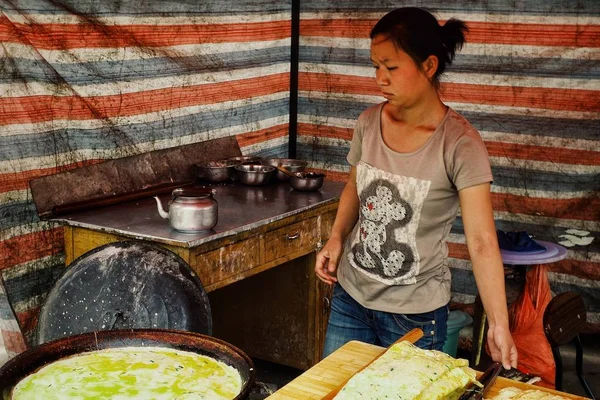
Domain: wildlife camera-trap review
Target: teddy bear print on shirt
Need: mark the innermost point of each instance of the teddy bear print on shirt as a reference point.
(382, 246)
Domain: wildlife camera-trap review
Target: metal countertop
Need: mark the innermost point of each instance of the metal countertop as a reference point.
(240, 208)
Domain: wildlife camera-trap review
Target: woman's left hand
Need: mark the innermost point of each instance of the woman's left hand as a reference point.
(482, 242)
(501, 346)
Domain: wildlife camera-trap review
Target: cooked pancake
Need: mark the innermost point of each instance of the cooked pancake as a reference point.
(407, 372)
(132, 373)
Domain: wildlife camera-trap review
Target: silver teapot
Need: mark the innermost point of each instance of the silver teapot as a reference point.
(191, 210)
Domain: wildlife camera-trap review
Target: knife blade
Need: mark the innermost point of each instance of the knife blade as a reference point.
(486, 380)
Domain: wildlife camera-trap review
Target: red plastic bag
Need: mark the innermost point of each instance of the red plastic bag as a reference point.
(527, 326)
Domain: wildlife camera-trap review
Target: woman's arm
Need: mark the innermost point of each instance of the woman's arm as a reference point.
(345, 219)
(482, 242)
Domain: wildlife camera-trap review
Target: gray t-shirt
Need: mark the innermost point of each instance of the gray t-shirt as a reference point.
(396, 257)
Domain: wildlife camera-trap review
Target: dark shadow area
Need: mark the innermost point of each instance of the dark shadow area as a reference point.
(270, 377)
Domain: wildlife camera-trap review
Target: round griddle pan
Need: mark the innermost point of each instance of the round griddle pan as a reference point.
(31, 360)
(125, 285)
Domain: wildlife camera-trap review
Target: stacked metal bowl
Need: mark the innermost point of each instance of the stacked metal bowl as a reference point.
(221, 171)
(216, 171)
(256, 171)
(254, 174)
(307, 181)
(290, 164)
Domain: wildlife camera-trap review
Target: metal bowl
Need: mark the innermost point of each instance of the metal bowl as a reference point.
(217, 171)
(254, 174)
(290, 164)
(307, 181)
(246, 160)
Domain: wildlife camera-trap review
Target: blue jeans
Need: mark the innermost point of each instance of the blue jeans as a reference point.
(351, 321)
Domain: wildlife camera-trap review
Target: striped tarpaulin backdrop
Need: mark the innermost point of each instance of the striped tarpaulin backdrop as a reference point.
(528, 79)
(83, 81)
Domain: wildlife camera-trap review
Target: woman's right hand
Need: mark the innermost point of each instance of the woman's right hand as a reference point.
(345, 219)
(327, 261)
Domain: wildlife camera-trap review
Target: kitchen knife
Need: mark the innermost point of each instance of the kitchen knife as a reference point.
(486, 380)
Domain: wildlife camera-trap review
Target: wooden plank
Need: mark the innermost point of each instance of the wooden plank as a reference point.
(338, 367)
(85, 240)
(82, 240)
(502, 383)
(128, 174)
(318, 381)
(69, 247)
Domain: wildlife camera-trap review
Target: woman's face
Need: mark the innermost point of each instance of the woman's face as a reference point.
(398, 76)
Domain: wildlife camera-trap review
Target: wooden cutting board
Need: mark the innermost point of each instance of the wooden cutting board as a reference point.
(411, 336)
(327, 376)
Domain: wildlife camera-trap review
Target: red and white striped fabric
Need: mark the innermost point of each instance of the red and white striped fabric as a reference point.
(12, 341)
(86, 81)
(528, 80)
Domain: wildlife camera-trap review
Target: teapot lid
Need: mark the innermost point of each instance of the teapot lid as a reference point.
(192, 192)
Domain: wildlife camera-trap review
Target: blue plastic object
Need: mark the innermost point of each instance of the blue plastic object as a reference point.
(456, 321)
(518, 241)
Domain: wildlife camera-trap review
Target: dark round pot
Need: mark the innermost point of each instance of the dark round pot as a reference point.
(307, 181)
(29, 361)
(290, 164)
(216, 171)
(245, 160)
(254, 174)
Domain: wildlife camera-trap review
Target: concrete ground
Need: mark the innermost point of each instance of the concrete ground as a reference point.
(270, 377)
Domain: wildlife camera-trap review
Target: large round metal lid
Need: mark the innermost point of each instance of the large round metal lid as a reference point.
(125, 285)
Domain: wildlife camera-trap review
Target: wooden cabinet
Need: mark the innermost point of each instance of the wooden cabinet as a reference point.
(265, 297)
(224, 263)
(283, 322)
(291, 239)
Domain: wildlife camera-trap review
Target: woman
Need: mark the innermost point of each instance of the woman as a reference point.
(413, 161)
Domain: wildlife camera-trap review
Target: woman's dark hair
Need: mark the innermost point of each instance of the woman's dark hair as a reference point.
(417, 32)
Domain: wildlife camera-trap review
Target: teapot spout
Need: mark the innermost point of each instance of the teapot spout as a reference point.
(161, 210)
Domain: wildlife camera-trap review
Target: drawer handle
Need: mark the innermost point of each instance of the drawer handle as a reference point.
(293, 236)
(327, 299)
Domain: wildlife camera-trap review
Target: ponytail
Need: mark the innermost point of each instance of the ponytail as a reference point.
(453, 36)
(417, 32)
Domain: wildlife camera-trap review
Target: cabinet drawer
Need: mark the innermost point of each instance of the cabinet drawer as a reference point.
(217, 265)
(290, 239)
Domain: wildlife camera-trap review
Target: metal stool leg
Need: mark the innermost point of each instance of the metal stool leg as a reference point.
(559, 371)
(579, 367)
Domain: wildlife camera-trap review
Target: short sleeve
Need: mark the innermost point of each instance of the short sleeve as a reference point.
(470, 163)
(355, 152)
